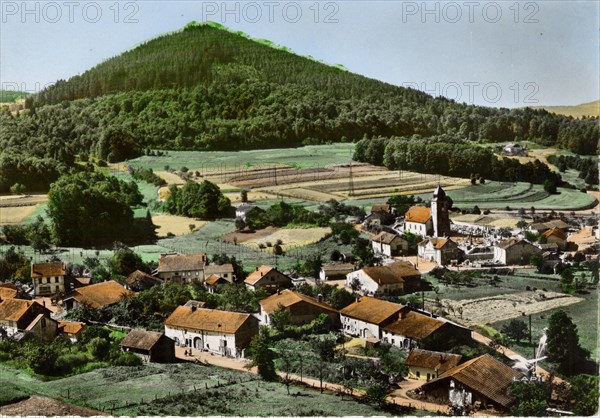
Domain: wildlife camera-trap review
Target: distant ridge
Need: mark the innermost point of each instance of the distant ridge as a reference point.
(578, 111)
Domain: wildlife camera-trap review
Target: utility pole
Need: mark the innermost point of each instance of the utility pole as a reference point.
(351, 182)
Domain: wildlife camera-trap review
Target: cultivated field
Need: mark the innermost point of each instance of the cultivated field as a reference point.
(175, 225)
(182, 390)
(290, 237)
(497, 195)
(14, 209)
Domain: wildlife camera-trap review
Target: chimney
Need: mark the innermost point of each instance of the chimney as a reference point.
(320, 297)
(193, 307)
(256, 268)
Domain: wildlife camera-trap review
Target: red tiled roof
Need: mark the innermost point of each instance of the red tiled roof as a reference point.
(418, 214)
(48, 269)
(100, 294)
(207, 319)
(288, 298)
(371, 310)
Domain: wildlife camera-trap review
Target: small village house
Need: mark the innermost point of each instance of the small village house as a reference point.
(269, 279)
(381, 214)
(48, 278)
(556, 236)
(514, 251)
(441, 250)
(220, 332)
(541, 227)
(415, 330)
(8, 291)
(19, 316)
(391, 279)
(418, 221)
(365, 317)
(302, 308)
(427, 365)
(182, 268)
(71, 330)
(139, 280)
(222, 270)
(485, 379)
(150, 346)
(335, 271)
(97, 295)
(213, 282)
(389, 244)
(241, 210)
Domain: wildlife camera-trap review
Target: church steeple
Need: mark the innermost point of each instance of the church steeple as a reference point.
(440, 205)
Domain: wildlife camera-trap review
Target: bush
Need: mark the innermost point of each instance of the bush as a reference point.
(66, 363)
(126, 359)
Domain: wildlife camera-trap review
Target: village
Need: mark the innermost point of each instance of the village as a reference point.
(384, 304)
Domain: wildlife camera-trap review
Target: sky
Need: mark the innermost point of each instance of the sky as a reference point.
(491, 53)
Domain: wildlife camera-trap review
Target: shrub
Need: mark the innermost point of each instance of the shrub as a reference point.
(66, 363)
(126, 359)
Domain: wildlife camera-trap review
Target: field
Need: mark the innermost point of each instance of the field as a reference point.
(175, 225)
(181, 389)
(497, 195)
(15, 209)
(585, 109)
(290, 237)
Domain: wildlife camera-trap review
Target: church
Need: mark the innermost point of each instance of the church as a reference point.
(433, 221)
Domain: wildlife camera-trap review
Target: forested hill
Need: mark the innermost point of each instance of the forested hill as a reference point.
(209, 53)
(207, 88)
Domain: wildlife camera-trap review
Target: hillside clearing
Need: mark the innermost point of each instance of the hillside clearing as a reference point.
(290, 237)
(175, 225)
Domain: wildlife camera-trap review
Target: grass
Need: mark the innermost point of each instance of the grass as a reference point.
(304, 157)
(180, 389)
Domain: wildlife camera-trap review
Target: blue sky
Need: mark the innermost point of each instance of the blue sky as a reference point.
(503, 53)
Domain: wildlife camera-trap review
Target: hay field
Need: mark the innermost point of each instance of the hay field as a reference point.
(15, 209)
(176, 225)
(290, 237)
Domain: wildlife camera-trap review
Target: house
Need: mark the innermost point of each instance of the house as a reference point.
(389, 244)
(43, 328)
(513, 149)
(413, 329)
(213, 282)
(269, 279)
(335, 271)
(418, 221)
(150, 346)
(138, 281)
(391, 279)
(241, 211)
(556, 236)
(8, 291)
(97, 295)
(222, 270)
(81, 281)
(220, 332)
(365, 317)
(19, 315)
(182, 268)
(195, 303)
(48, 278)
(514, 251)
(441, 250)
(381, 214)
(541, 227)
(485, 380)
(427, 365)
(302, 308)
(71, 330)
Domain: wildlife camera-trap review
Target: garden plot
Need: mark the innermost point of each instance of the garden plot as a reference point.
(491, 309)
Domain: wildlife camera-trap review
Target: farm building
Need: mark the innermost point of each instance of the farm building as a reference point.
(514, 251)
(138, 281)
(8, 291)
(441, 250)
(336, 271)
(213, 282)
(418, 221)
(97, 295)
(513, 149)
(389, 244)
(81, 282)
(48, 278)
(222, 270)
(556, 236)
(17, 315)
(150, 346)
(485, 378)
(302, 308)
(182, 268)
(242, 210)
(269, 279)
(71, 330)
(43, 328)
(427, 365)
(381, 214)
(541, 227)
(413, 329)
(365, 317)
(220, 332)
(391, 279)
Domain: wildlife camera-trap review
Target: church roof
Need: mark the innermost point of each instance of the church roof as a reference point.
(439, 192)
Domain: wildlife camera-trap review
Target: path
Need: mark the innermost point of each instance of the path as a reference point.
(397, 397)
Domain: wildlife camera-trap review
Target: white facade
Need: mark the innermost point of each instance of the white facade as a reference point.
(358, 328)
(367, 285)
(417, 228)
(218, 343)
(399, 341)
